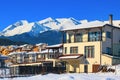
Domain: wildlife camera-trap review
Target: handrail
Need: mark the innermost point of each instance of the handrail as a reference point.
(85, 39)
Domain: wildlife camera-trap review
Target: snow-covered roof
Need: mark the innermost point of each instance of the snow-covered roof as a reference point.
(115, 22)
(23, 45)
(110, 56)
(46, 51)
(40, 44)
(87, 25)
(70, 56)
(55, 46)
(12, 53)
(32, 52)
(23, 53)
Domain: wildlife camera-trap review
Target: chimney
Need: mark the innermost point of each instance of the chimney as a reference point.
(111, 19)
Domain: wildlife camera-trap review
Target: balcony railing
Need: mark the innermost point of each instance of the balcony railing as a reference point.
(85, 40)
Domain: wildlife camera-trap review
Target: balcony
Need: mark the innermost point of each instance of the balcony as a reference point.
(40, 59)
(101, 38)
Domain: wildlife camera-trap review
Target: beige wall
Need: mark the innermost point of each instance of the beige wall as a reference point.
(106, 60)
(99, 46)
(110, 60)
(81, 46)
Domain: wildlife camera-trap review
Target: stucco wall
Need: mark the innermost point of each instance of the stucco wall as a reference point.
(81, 50)
(106, 60)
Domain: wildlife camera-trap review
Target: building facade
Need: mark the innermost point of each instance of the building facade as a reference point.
(44, 60)
(89, 46)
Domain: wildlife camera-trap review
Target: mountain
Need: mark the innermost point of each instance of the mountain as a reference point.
(47, 30)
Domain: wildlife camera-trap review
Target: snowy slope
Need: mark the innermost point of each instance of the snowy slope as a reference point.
(34, 28)
(59, 23)
(23, 28)
(74, 76)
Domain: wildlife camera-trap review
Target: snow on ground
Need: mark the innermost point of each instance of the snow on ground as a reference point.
(74, 76)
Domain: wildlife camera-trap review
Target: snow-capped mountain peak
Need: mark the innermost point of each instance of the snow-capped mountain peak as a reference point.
(34, 28)
(49, 19)
(19, 23)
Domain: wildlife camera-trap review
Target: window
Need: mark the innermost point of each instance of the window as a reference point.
(89, 51)
(108, 50)
(94, 36)
(65, 50)
(108, 34)
(73, 50)
(119, 52)
(19, 60)
(42, 55)
(51, 56)
(78, 37)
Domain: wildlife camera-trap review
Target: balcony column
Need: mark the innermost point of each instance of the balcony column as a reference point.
(48, 54)
(101, 30)
(86, 35)
(53, 53)
(75, 36)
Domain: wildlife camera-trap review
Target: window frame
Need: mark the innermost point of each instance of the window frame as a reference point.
(74, 50)
(95, 36)
(78, 37)
(108, 50)
(89, 51)
(108, 34)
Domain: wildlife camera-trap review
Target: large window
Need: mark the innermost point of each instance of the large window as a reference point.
(78, 37)
(94, 36)
(89, 51)
(108, 50)
(108, 34)
(19, 60)
(73, 50)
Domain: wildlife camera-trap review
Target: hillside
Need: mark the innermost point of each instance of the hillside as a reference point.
(5, 42)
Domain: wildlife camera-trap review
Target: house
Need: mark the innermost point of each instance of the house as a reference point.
(2, 61)
(46, 60)
(39, 47)
(24, 63)
(90, 45)
(5, 50)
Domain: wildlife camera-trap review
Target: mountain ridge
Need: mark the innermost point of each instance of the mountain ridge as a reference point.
(43, 31)
(24, 26)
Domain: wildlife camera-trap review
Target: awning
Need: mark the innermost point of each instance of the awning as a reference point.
(70, 56)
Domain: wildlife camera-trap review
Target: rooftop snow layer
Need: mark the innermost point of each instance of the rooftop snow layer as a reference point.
(53, 46)
(88, 25)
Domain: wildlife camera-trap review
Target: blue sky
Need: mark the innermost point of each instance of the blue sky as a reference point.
(12, 11)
